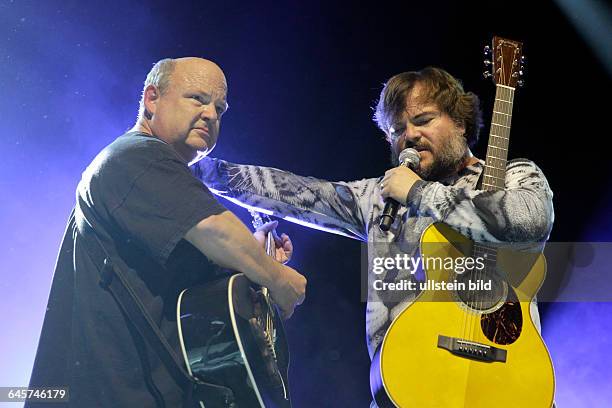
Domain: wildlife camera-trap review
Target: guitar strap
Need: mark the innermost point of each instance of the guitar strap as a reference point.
(114, 280)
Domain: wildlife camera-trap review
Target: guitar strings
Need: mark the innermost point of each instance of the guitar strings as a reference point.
(476, 301)
(502, 111)
(270, 247)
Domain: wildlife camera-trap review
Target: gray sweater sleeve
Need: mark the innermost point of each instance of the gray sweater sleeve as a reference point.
(329, 206)
(522, 212)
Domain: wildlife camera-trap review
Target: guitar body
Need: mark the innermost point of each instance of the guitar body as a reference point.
(446, 350)
(226, 339)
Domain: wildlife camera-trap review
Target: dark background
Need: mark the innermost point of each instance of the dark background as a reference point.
(303, 77)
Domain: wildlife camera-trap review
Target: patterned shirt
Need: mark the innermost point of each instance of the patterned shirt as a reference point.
(520, 213)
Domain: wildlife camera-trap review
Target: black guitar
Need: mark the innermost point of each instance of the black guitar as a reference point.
(231, 334)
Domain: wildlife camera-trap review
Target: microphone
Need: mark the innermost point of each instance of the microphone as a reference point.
(411, 159)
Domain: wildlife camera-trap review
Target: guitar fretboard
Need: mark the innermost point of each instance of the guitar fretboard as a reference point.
(497, 150)
(497, 157)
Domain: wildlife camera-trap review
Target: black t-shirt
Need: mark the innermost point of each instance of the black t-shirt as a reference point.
(141, 199)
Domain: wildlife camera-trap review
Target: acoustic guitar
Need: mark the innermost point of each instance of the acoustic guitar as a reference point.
(231, 334)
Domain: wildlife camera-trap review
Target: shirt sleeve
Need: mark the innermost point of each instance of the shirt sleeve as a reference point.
(336, 207)
(522, 212)
(149, 196)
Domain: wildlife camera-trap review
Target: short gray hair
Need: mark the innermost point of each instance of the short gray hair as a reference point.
(159, 76)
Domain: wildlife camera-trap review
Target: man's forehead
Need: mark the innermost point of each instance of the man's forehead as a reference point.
(417, 102)
(204, 77)
(201, 82)
(417, 108)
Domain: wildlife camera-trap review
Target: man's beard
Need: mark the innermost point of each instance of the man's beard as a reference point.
(446, 160)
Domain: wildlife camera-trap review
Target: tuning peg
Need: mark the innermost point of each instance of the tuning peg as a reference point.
(487, 74)
(487, 62)
(487, 50)
(520, 83)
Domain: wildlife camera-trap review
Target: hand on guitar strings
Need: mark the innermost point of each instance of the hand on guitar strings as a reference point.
(283, 245)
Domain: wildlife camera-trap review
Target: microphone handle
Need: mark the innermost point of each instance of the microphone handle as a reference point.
(391, 206)
(388, 215)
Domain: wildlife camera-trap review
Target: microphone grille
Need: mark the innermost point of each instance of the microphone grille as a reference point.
(409, 157)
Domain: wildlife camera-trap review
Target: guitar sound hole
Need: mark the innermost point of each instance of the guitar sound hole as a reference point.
(482, 293)
(504, 325)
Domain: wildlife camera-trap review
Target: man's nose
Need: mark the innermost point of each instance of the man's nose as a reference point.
(412, 134)
(209, 112)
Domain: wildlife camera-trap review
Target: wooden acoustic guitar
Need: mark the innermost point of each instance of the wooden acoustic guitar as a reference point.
(231, 334)
(472, 348)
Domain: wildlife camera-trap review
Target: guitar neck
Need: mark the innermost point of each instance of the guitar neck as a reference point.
(499, 138)
(269, 246)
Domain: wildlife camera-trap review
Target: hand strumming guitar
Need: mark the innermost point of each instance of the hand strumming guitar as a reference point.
(289, 291)
(284, 247)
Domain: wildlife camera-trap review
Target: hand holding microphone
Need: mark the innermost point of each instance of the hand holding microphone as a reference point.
(409, 158)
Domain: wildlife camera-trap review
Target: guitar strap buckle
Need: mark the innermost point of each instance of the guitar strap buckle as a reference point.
(107, 274)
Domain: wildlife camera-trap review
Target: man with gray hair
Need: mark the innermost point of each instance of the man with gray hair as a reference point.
(162, 227)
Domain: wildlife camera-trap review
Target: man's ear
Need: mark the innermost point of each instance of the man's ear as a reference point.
(460, 128)
(151, 97)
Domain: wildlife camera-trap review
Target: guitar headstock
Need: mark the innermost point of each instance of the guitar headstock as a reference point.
(507, 62)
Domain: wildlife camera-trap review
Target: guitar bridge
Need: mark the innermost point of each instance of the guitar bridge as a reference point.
(471, 349)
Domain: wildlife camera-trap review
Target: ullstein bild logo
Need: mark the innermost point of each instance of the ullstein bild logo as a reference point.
(434, 285)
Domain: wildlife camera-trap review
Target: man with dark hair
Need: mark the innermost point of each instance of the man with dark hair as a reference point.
(429, 111)
(163, 229)
(436, 86)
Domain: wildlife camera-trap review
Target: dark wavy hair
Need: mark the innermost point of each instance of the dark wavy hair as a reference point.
(441, 88)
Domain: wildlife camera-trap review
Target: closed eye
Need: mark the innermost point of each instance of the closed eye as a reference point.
(424, 118)
(422, 121)
(198, 98)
